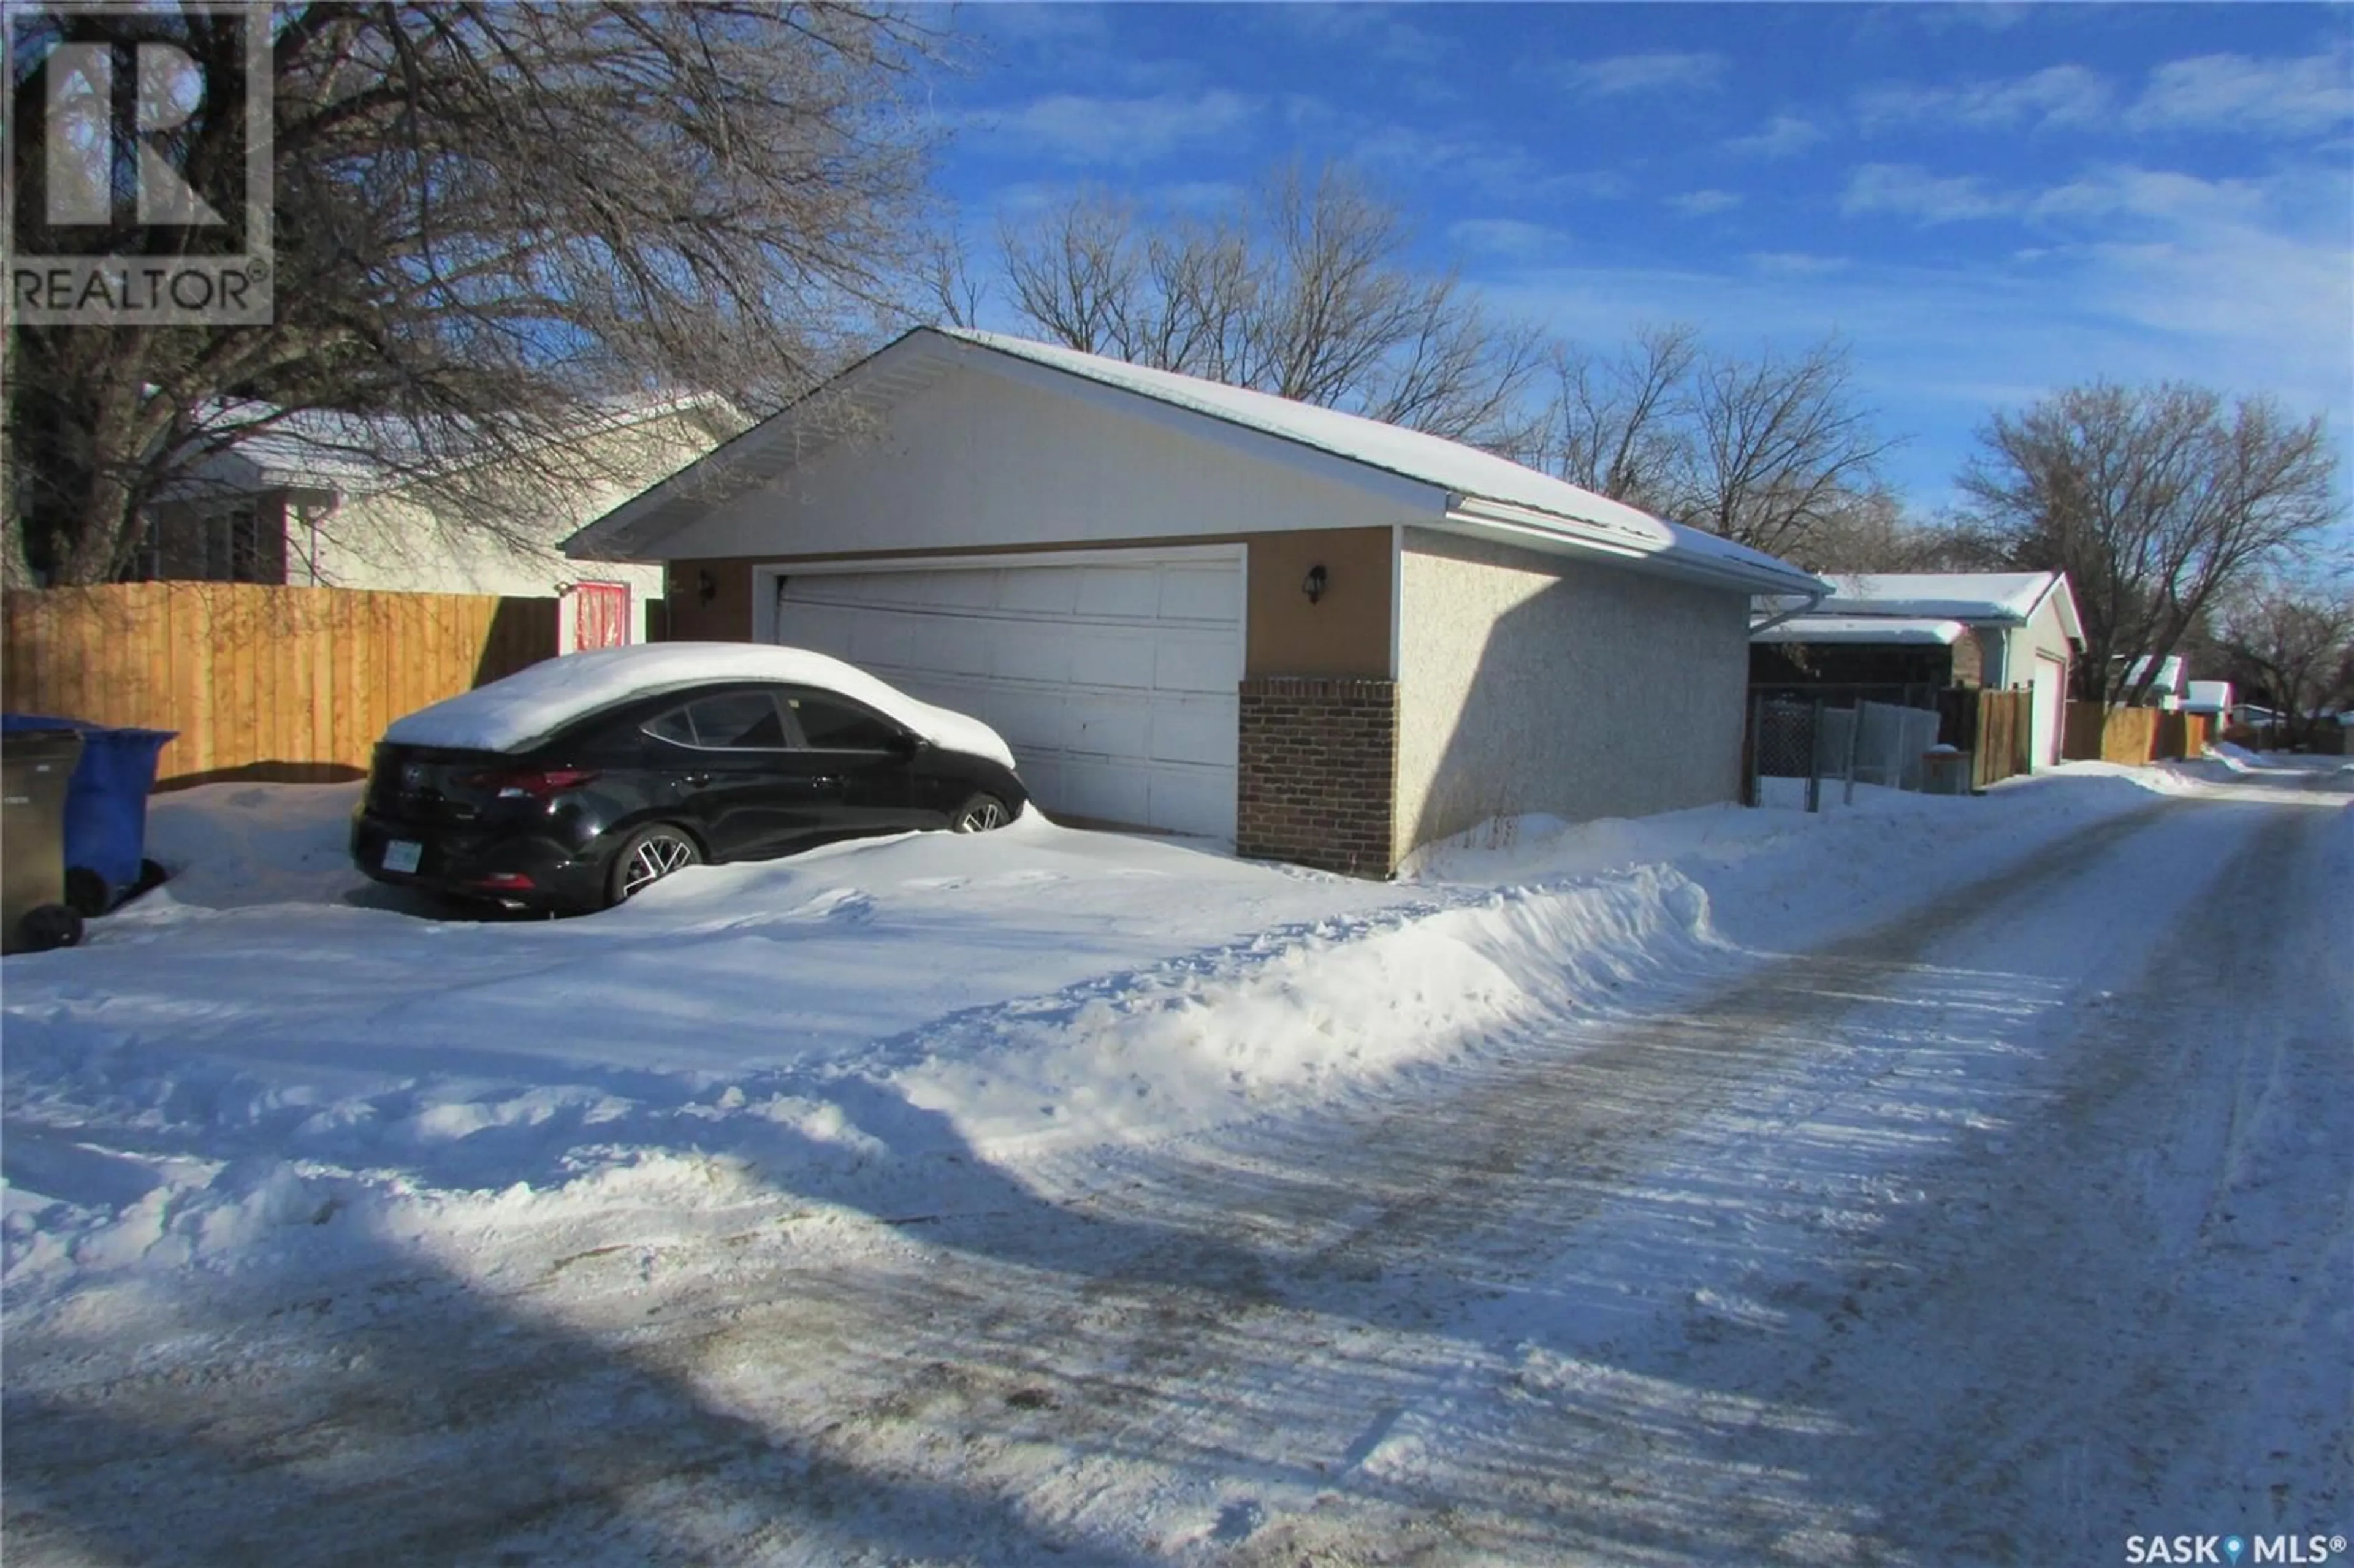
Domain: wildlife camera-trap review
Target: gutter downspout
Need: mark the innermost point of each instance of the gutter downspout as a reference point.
(1768, 624)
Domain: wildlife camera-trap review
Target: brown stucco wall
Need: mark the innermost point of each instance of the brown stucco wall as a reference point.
(1345, 634)
(726, 619)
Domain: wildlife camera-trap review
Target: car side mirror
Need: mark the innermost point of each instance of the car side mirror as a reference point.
(909, 745)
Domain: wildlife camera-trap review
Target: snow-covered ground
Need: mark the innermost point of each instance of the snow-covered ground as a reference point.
(1710, 1188)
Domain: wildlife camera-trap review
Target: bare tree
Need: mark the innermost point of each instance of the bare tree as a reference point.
(1618, 426)
(1307, 291)
(2291, 640)
(489, 219)
(2154, 500)
(1780, 445)
(1767, 451)
(1869, 532)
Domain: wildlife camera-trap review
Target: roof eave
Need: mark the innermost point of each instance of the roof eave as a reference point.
(1509, 524)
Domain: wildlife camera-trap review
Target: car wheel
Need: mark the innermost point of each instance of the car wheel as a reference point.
(981, 814)
(48, 926)
(646, 857)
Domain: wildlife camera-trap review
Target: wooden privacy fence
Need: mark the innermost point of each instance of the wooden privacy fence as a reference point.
(2132, 736)
(1996, 728)
(261, 682)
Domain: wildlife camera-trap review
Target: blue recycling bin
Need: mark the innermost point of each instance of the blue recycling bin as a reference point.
(106, 807)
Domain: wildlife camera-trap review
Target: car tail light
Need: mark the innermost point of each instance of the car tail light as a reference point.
(540, 784)
(505, 882)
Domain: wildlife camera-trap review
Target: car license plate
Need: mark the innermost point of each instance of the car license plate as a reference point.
(402, 856)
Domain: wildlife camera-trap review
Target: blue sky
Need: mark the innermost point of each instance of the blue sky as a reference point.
(1987, 201)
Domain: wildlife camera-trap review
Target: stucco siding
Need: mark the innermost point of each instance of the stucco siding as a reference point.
(1530, 684)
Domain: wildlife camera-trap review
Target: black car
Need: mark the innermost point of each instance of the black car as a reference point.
(612, 801)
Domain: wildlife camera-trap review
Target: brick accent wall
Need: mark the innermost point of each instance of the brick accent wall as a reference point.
(1318, 784)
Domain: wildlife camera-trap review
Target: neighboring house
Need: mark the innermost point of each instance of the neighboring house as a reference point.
(2024, 625)
(1211, 611)
(301, 503)
(2167, 688)
(2212, 698)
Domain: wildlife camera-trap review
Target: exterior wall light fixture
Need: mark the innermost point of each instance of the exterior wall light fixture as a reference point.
(1313, 585)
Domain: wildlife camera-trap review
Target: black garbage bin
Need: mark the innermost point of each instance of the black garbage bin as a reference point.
(36, 769)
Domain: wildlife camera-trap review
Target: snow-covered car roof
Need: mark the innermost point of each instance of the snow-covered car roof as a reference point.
(524, 709)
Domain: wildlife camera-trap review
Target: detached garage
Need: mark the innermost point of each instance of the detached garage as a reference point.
(1202, 610)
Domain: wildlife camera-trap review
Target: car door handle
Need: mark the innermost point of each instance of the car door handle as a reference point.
(695, 781)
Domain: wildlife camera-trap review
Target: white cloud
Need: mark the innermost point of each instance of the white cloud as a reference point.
(1641, 73)
(1509, 238)
(1700, 204)
(1780, 137)
(1078, 129)
(2233, 93)
(2123, 190)
(1495, 169)
(1910, 191)
(1796, 263)
(1381, 31)
(1199, 197)
(2055, 95)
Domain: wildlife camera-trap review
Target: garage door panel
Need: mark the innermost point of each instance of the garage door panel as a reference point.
(1113, 682)
(952, 590)
(1195, 661)
(1202, 730)
(1104, 658)
(1204, 593)
(1118, 593)
(1194, 801)
(1027, 653)
(1107, 727)
(944, 643)
(1038, 590)
(1105, 791)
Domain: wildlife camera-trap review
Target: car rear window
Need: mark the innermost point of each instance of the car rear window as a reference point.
(739, 721)
(830, 724)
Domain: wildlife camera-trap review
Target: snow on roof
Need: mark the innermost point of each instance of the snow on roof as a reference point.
(2006, 597)
(2207, 696)
(1463, 470)
(512, 714)
(327, 449)
(2170, 673)
(1869, 629)
(1482, 493)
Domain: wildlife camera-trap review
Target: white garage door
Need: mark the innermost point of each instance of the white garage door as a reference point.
(1112, 678)
(2049, 717)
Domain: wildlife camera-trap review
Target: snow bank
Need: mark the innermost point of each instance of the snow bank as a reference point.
(512, 714)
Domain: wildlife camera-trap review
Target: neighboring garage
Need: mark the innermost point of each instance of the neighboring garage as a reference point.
(1202, 610)
(2023, 625)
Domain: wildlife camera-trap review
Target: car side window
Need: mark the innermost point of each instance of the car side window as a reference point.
(835, 723)
(674, 727)
(737, 721)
